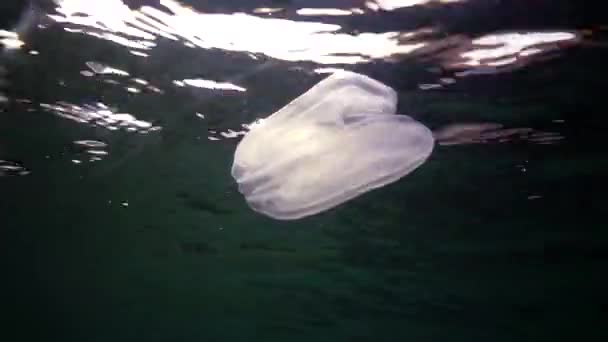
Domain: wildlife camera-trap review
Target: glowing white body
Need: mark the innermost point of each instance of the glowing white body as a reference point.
(338, 140)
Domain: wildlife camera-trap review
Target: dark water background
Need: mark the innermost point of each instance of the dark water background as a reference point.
(485, 242)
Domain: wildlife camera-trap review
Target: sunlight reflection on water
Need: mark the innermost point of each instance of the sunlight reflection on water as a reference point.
(99, 114)
(289, 40)
(10, 40)
(279, 38)
(329, 46)
(11, 168)
(390, 5)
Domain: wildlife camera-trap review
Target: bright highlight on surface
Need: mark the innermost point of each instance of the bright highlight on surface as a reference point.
(99, 114)
(506, 51)
(102, 69)
(10, 40)
(9, 168)
(500, 49)
(208, 84)
(320, 151)
(323, 11)
(138, 30)
(390, 5)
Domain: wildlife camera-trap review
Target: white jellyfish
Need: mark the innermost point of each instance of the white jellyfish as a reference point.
(335, 142)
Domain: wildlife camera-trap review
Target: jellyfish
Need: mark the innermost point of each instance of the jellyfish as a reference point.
(339, 140)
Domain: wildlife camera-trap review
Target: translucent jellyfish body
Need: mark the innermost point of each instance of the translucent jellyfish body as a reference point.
(335, 142)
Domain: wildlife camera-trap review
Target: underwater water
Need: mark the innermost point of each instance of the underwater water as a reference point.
(120, 219)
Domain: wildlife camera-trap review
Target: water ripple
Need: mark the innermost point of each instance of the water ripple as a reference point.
(9, 168)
